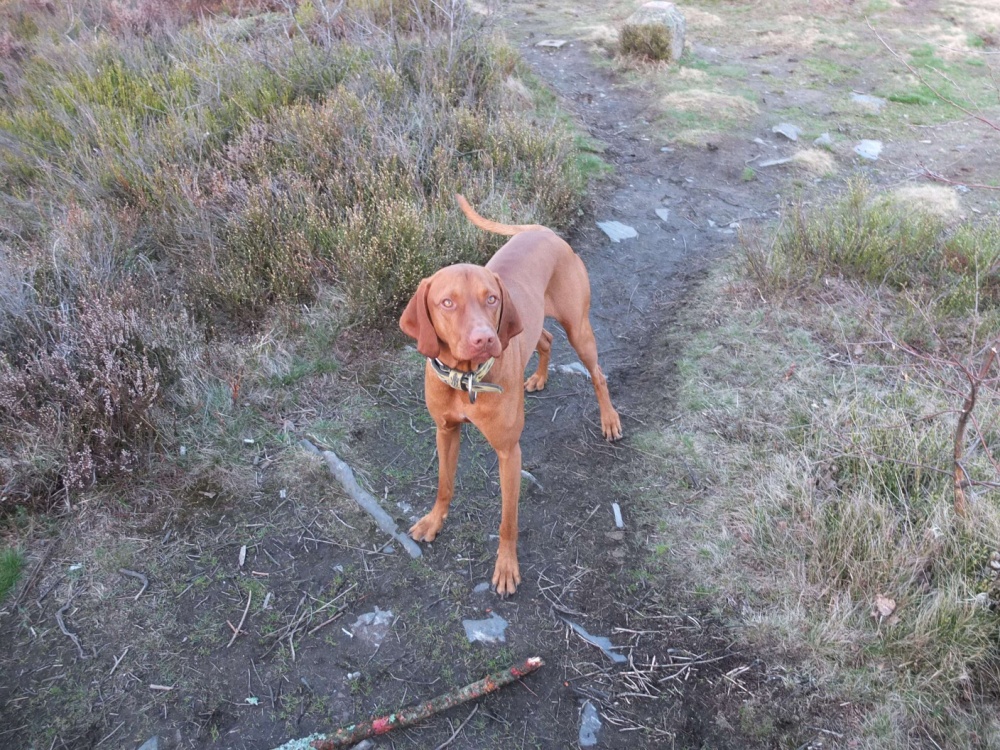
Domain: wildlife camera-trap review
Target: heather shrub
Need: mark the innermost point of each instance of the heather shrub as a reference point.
(220, 159)
(80, 408)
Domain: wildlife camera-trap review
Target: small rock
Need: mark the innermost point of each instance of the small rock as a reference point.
(590, 725)
(617, 231)
(153, 743)
(551, 43)
(824, 141)
(869, 102)
(352, 676)
(664, 214)
(574, 368)
(787, 129)
(481, 588)
(616, 508)
(531, 478)
(490, 630)
(868, 149)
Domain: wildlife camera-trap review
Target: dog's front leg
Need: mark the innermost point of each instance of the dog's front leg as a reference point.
(507, 573)
(448, 442)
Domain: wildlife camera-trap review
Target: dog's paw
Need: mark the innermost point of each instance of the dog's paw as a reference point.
(536, 382)
(427, 528)
(611, 426)
(506, 575)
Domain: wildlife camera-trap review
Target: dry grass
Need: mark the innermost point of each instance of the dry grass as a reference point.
(823, 446)
(816, 161)
(710, 104)
(936, 200)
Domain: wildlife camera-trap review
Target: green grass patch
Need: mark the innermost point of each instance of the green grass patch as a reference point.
(11, 567)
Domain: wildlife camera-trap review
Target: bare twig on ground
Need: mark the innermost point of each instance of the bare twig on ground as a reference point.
(239, 627)
(62, 627)
(33, 577)
(407, 717)
(986, 121)
(459, 729)
(139, 576)
(975, 380)
(941, 178)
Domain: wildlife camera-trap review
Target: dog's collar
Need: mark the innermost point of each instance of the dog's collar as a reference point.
(462, 380)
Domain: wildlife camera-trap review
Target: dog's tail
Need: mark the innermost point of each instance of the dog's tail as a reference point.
(493, 226)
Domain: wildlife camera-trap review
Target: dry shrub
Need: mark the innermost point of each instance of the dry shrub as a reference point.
(407, 15)
(269, 253)
(80, 408)
(224, 166)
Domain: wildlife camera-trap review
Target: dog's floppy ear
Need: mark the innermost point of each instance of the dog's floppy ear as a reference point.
(416, 322)
(510, 322)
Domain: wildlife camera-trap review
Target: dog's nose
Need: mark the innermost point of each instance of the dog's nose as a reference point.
(482, 338)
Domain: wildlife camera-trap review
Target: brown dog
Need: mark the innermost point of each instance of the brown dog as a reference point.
(478, 326)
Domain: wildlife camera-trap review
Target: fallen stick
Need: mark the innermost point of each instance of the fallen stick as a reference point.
(345, 476)
(408, 716)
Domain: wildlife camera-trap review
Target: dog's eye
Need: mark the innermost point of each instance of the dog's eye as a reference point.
(492, 300)
(447, 303)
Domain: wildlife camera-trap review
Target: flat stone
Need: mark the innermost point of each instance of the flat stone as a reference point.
(617, 231)
(664, 214)
(490, 630)
(790, 130)
(153, 743)
(824, 141)
(597, 640)
(481, 588)
(774, 162)
(868, 149)
(590, 725)
(869, 102)
(575, 368)
(551, 43)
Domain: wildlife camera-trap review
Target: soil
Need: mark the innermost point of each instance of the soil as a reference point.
(686, 683)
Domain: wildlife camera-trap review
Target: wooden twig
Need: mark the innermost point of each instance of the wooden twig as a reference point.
(961, 478)
(941, 178)
(139, 576)
(62, 627)
(461, 726)
(938, 94)
(408, 716)
(240, 626)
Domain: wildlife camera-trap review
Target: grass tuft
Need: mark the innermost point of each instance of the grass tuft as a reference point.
(11, 567)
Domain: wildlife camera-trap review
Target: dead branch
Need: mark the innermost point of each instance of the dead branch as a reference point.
(239, 627)
(139, 576)
(975, 380)
(407, 717)
(62, 627)
(941, 178)
(986, 121)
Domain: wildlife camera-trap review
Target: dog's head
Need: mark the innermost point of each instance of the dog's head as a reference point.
(463, 310)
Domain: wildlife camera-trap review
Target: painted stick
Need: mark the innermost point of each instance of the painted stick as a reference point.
(408, 716)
